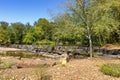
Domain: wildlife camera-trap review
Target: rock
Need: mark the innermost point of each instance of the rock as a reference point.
(19, 58)
(64, 59)
(118, 57)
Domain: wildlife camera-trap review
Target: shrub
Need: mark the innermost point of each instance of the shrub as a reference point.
(73, 52)
(85, 54)
(100, 65)
(111, 69)
(44, 42)
(52, 45)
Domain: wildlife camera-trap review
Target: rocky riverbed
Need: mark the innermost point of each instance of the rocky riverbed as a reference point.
(82, 68)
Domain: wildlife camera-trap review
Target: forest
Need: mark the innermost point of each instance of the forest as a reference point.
(80, 22)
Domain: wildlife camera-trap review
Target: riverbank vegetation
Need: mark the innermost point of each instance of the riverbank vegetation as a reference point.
(111, 69)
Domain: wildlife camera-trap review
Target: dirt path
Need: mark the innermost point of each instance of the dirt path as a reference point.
(20, 74)
(83, 69)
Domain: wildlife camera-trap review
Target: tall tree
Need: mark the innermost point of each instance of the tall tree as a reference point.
(45, 26)
(107, 29)
(66, 32)
(33, 35)
(84, 13)
(17, 32)
(4, 33)
(29, 37)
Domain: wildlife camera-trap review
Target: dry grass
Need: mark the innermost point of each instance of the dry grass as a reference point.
(111, 46)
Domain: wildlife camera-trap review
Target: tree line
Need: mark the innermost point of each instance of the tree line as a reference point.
(19, 33)
(84, 22)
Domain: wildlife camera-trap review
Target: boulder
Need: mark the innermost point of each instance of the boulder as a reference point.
(118, 56)
(64, 59)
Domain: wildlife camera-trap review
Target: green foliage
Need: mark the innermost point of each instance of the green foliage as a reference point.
(100, 65)
(100, 20)
(44, 42)
(29, 37)
(24, 55)
(45, 26)
(52, 45)
(17, 31)
(33, 35)
(39, 33)
(73, 52)
(42, 22)
(101, 31)
(4, 25)
(4, 34)
(5, 65)
(19, 54)
(85, 54)
(111, 69)
(68, 35)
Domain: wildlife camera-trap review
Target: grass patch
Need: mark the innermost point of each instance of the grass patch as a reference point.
(85, 54)
(24, 55)
(41, 74)
(111, 69)
(5, 65)
(46, 42)
(19, 54)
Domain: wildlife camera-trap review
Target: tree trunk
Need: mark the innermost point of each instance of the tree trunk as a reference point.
(90, 41)
(90, 46)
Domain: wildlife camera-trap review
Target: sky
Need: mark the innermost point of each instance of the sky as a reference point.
(27, 10)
